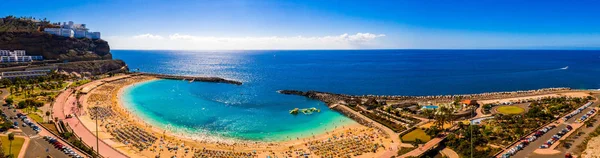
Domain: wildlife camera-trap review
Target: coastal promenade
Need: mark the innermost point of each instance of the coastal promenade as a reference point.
(65, 104)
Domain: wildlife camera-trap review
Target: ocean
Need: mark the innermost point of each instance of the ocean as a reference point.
(255, 111)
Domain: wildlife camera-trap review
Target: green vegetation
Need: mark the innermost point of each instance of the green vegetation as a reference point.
(487, 108)
(34, 92)
(412, 136)
(12, 147)
(405, 150)
(78, 144)
(50, 126)
(81, 82)
(4, 123)
(377, 118)
(505, 129)
(36, 117)
(581, 147)
(460, 141)
(510, 110)
(22, 24)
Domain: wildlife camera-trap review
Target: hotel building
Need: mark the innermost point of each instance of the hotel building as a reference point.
(73, 30)
(7, 56)
(23, 74)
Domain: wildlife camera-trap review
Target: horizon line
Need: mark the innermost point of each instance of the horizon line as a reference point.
(530, 49)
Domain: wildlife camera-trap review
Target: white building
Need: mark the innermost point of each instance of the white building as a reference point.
(80, 33)
(76, 30)
(93, 35)
(23, 74)
(60, 32)
(7, 56)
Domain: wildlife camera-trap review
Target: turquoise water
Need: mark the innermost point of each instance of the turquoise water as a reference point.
(255, 111)
(430, 107)
(222, 111)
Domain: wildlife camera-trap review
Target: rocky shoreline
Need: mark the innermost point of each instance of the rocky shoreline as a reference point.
(326, 97)
(331, 98)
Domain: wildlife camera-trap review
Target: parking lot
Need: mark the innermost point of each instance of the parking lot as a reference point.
(38, 147)
(528, 150)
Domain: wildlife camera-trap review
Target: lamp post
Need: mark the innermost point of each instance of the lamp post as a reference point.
(97, 136)
(471, 131)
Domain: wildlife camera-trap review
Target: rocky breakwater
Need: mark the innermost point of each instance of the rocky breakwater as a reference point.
(194, 78)
(329, 98)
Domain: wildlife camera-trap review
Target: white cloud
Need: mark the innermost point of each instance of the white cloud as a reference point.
(148, 36)
(182, 37)
(190, 42)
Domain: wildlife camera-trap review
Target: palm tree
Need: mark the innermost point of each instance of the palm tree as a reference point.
(428, 113)
(440, 118)
(448, 113)
(48, 115)
(79, 106)
(11, 137)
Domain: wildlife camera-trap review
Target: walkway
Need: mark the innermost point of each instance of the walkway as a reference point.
(65, 104)
(449, 153)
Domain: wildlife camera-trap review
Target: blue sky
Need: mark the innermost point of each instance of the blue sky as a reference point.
(343, 24)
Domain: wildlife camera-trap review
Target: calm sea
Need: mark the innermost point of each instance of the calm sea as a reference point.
(255, 111)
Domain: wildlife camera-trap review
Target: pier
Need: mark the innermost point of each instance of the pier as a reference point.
(193, 78)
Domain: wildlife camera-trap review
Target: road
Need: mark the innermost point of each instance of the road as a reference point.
(37, 145)
(426, 147)
(527, 151)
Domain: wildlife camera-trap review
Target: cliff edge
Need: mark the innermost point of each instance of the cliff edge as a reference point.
(56, 47)
(66, 54)
(26, 33)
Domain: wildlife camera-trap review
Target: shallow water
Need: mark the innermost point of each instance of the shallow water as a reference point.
(222, 111)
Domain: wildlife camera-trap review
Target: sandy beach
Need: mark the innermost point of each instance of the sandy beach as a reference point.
(351, 137)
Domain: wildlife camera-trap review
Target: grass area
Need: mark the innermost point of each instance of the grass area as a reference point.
(405, 150)
(428, 125)
(36, 117)
(17, 144)
(414, 135)
(17, 97)
(50, 126)
(81, 82)
(510, 110)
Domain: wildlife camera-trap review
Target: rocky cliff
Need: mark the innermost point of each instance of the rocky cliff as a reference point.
(55, 47)
(94, 67)
(81, 55)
